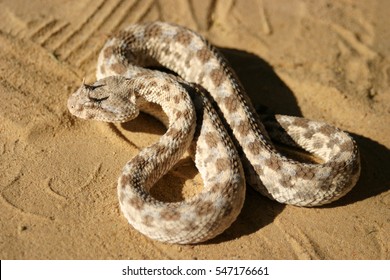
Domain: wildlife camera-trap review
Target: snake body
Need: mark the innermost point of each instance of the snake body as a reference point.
(206, 90)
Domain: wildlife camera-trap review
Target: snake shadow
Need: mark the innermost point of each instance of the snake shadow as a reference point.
(267, 90)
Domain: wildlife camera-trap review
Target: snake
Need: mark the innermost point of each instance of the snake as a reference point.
(177, 76)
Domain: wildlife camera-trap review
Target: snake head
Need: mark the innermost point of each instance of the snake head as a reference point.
(109, 99)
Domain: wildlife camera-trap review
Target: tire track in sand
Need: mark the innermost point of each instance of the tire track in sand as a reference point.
(85, 54)
(78, 43)
(302, 245)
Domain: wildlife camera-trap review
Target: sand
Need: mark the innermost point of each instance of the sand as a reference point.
(324, 60)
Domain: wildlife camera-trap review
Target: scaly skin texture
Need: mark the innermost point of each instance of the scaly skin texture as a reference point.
(125, 86)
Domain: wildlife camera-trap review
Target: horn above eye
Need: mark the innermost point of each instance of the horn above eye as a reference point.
(92, 87)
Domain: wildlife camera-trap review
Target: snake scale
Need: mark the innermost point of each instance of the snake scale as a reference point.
(206, 111)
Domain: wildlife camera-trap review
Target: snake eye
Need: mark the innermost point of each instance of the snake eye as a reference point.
(92, 87)
(97, 100)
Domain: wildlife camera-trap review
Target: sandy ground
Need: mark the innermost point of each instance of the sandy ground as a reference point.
(324, 60)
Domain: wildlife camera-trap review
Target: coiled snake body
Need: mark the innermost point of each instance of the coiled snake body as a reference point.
(125, 85)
